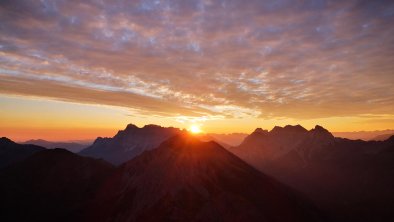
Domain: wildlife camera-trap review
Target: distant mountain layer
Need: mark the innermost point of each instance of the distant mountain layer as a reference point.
(129, 143)
(351, 179)
(11, 152)
(71, 146)
(50, 185)
(188, 180)
(363, 135)
(383, 137)
(232, 139)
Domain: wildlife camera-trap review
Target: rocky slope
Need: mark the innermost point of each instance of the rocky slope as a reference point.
(129, 143)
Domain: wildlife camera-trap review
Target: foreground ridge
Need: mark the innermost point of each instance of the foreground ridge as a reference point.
(185, 179)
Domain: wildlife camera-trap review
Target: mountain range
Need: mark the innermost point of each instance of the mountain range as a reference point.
(183, 179)
(166, 174)
(343, 176)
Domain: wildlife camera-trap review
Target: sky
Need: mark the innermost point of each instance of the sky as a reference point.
(82, 69)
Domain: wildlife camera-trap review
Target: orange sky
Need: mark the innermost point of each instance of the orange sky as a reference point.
(76, 71)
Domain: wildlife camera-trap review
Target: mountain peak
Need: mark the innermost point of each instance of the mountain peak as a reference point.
(260, 130)
(289, 128)
(277, 129)
(131, 126)
(152, 126)
(297, 127)
(5, 140)
(319, 130)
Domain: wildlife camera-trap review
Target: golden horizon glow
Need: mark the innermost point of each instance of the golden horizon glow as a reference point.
(25, 118)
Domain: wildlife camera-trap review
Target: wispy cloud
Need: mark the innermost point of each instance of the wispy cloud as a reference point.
(266, 59)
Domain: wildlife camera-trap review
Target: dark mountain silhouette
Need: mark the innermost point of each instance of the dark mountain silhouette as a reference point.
(185, 179)
(351, 179)
(11, 152)
(70, 146)
(50, 185)
(129, 143)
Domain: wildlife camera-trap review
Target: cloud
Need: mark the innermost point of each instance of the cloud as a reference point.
(262, 59)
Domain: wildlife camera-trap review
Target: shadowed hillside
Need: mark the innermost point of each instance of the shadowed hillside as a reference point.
(50, 185)
(11, 152)
(188, 180)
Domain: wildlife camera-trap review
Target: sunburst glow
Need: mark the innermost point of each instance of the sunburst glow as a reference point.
(195, 129)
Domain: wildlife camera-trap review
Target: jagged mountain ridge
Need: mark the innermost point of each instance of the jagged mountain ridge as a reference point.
(128, 143)
(185, 179)
(265, 146)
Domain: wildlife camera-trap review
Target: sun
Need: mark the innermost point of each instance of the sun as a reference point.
(195, 129)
